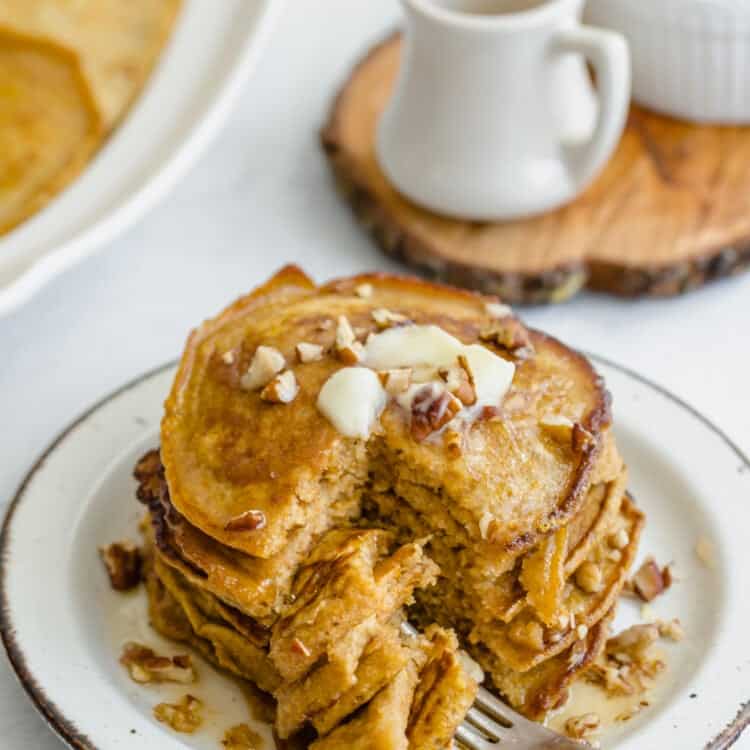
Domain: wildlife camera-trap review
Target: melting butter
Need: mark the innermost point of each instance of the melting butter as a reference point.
(353, 397)
(352, 400)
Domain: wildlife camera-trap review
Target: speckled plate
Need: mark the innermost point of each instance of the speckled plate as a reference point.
(63, 626)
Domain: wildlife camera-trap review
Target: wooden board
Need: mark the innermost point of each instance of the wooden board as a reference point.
(670, 212)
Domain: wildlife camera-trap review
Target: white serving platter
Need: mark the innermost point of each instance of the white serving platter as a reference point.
(214, 47)
(63, 626)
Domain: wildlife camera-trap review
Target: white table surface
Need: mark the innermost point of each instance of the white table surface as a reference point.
(260, 197)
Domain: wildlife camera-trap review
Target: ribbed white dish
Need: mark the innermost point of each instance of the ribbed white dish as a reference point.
(213, 49)
(691, 58)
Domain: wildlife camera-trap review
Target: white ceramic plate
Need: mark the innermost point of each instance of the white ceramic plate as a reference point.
(63, 626)
(214, 47)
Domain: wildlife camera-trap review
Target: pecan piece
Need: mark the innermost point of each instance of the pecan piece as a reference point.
(241, 737)
(459, 380)
(432, 408)
(307, 352)
(184, 717)
(349, 350)
(147, 667)
(510, 334)
(123, 562)
(395, 381)
(386, 318)
(498, 310)
(265, 364)
(250, 520)
(580, 727)
(650, 580)
(283, 389)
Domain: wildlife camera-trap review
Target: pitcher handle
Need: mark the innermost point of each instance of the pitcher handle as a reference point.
(608, 53)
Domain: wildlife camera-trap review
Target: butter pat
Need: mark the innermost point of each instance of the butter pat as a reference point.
(492, 374)
(352, 400)
(411, 346)
(431, 346)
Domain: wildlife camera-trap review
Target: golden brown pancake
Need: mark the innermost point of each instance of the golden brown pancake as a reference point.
(116, 41)
(49, 126)
(69, 70)
(227, 452)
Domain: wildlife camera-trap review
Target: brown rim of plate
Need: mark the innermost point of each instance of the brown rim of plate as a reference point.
(70, 734)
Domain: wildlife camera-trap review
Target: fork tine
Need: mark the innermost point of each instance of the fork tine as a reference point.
(497, 720)
(470, 738)
(486, 724)
(499, 711)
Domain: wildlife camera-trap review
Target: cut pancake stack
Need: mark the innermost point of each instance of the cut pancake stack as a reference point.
(289, 553)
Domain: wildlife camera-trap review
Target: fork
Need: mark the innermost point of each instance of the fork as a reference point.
(491, 724)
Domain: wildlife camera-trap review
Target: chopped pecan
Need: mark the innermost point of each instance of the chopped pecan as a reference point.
(250, 520)
(283, 389)
(671, 629)
(510, 334)
(265, 364)
(351, 355)
(145, 666)
(633, 642)
(184, 717)
(307, 352)
(650, 580)
(626, 666)
(348, 349)
(581, 727)
(497, 310)
(459, 380)
(432, 408)
(395, 381)
(385, 318)
(123, 562)
(241, 737)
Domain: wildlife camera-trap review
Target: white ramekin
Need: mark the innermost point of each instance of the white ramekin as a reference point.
(691, 58)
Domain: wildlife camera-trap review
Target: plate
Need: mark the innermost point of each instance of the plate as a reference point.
(63, 626)
(213, 48)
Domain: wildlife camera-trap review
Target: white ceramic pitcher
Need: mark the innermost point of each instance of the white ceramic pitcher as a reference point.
(494, 115)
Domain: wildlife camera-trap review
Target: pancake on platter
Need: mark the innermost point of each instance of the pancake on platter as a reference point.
(69, 71)
(49, 125)
(116, 41)
(335, 460)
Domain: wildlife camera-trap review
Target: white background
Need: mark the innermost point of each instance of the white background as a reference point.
(261, 197)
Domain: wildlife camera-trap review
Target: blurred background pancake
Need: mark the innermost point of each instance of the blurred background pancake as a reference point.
(69, 71)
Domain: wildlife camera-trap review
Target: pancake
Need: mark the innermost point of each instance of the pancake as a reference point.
(69, 71)
(227, 453)
(49, 125)
(288, 543)
(116, 41)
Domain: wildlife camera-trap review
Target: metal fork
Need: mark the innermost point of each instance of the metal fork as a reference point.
(490, 724)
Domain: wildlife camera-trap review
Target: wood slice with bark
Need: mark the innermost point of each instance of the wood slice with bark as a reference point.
(670, 212)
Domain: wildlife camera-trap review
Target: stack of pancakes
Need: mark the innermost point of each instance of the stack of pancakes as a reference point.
(289, 553)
